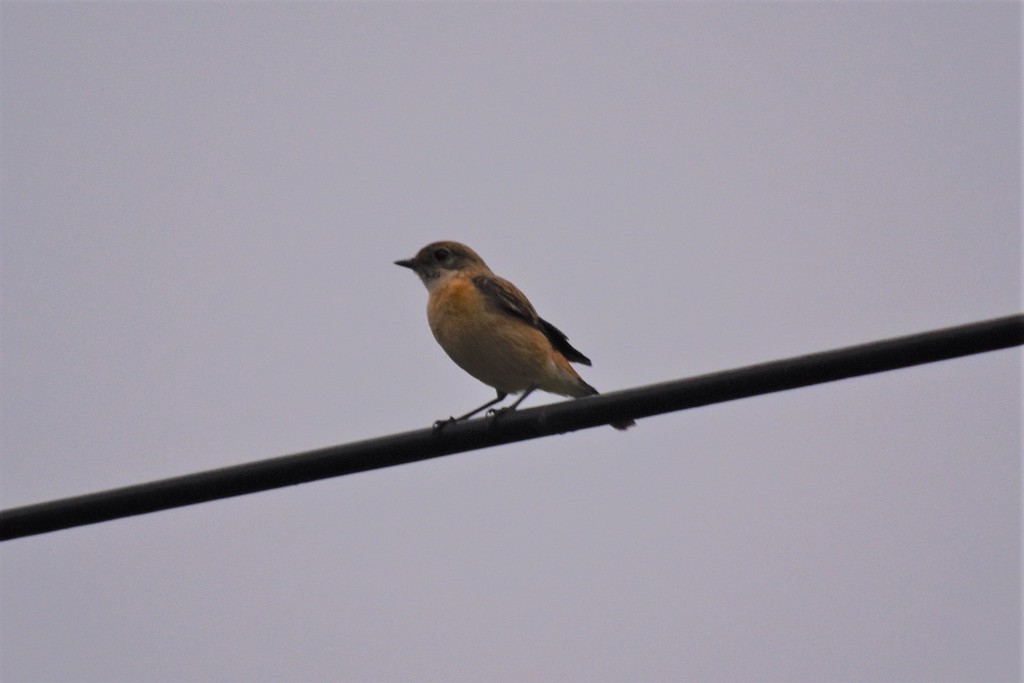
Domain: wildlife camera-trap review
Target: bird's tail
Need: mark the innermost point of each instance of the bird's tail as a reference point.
(587, 390)
(569, 383)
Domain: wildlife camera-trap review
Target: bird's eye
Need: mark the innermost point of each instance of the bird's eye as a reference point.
(441, 254)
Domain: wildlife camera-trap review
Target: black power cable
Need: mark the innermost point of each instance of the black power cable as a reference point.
(565, 416)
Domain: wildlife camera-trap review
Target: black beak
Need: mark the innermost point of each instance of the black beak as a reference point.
(406, 263)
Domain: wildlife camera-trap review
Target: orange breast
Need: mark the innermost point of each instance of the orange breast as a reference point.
(455, 302)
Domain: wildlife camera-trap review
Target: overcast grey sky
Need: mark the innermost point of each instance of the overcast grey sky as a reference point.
(201, 204)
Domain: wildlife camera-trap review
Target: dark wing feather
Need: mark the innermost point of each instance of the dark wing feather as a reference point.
(561, 343)
(507, 298)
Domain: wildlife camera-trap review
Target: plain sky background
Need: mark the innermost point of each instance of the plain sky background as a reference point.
(201, 204)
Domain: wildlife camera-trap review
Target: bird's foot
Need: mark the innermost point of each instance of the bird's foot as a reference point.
(495, 412)
(441, 424)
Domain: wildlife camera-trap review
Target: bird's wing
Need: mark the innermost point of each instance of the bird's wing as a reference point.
(561, 343)
(507, 298)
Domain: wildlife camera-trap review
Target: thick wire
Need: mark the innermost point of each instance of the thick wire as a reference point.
(556, 418)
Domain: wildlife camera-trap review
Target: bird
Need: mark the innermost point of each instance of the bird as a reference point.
(492, 331)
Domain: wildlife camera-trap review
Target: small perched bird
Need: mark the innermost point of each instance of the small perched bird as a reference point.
(490, 329)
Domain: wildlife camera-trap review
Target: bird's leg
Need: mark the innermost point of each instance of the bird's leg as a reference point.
(495, 411)
(501, 397)
(441, 423)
